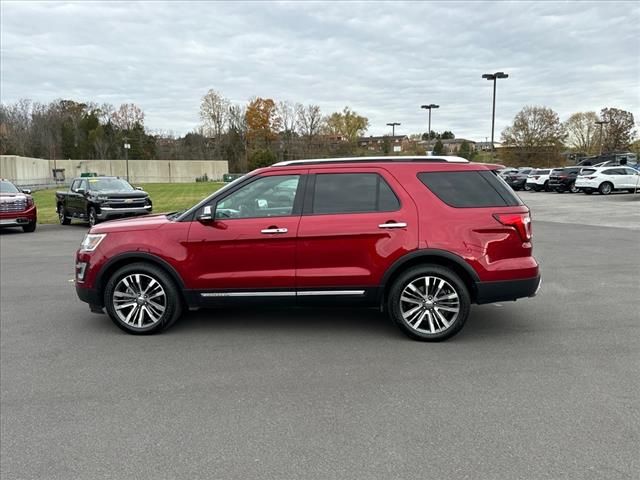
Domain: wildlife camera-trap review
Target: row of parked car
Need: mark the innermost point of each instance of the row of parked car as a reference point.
(603, 179)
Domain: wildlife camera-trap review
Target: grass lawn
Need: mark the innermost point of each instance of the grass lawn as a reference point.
(166, 197)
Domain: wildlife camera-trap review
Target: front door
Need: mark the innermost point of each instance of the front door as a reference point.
(249, 248)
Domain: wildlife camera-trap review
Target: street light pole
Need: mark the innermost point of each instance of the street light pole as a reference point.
(429, 107)
(601, 123)
(494, 77)
(127, 146)
(393, 128)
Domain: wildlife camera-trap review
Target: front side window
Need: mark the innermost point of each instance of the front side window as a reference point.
(75, 185)
(272, 196)
(352, 193)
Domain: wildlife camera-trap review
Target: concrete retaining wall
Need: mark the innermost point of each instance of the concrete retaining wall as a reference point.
(35, 172)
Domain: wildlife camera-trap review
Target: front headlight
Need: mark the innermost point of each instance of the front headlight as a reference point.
(91, 241)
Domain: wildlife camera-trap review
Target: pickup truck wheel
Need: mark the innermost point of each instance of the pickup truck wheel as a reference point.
(62, 216)
(30, 227)
(429, 303)
(93, 216)
(141, 299)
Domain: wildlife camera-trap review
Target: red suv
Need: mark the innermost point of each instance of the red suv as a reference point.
(422, 238)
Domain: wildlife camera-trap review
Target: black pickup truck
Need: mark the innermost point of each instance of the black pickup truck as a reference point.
(101, 198)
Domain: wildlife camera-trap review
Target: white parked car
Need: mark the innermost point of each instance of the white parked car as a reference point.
(607, 179)
(538, 180)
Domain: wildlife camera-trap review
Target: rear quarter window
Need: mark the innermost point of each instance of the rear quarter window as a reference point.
(479, 188)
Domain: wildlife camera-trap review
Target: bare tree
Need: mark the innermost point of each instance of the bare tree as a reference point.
(582, 132)
(214, 113)
(619, 131)
(309, 120)
(127, 116)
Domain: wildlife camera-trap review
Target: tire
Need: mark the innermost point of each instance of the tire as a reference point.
(588, 191)
(93, 217)
(429, 323)
(527, 188)
(546, 186)
(30, 227)
(148, 317)
(573, 188)
(62, 216)
(605, 188)
(560, 190)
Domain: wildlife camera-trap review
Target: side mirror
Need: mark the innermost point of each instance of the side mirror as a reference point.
(26, 191)
(138, 188)
(80, 191)
(207, 215)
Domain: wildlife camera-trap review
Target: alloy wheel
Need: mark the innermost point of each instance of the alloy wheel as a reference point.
(429, 304)
(139, 300)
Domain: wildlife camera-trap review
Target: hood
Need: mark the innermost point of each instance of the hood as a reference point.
(10, 197)
(116, 194)
(145, 222)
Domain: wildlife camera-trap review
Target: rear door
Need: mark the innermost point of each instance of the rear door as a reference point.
(356, 222)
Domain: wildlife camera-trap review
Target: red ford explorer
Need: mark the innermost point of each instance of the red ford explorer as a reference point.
(421, 237)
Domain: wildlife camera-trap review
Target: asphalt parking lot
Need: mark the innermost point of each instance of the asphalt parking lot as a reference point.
(543, 388)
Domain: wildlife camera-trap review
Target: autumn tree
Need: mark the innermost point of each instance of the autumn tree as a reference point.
(582, 132)
(618, 131)
(263, 123)
(347, 124)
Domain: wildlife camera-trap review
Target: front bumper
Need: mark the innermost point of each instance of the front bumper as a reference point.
(110, 212)
(504, 291)
(18, 219)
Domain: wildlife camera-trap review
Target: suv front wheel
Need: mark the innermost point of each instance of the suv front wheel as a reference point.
(141, 299)
(429, 303)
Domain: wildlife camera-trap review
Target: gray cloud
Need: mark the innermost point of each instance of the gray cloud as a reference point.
(382, 59)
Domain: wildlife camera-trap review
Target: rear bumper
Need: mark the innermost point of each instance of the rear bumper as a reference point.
(503, 291)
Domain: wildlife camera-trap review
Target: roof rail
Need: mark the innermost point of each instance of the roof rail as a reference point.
(448, 159)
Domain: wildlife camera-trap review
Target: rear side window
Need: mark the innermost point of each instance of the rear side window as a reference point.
(542, 172)
(470, 189)
(352, 193)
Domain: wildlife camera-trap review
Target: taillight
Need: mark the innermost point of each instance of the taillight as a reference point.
(520, 221)
(536, 177)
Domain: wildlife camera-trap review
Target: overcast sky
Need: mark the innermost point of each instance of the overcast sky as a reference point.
(382, 59)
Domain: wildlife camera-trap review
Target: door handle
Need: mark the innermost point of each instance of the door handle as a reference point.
(393, 225)
(274, 230)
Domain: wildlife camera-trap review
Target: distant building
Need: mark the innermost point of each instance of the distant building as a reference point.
(397, 143)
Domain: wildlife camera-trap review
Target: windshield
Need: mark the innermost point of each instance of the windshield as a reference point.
(8, 187)
(109, 185)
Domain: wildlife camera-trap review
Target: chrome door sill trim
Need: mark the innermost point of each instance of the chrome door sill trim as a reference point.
(310, 293)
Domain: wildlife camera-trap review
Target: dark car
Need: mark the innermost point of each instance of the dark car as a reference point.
(101, 198)
(422, 238)
(564, 179)
(17, 208)
(518, 180)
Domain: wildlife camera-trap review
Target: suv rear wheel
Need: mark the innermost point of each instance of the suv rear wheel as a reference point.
(142, 299)
(429, 303)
